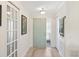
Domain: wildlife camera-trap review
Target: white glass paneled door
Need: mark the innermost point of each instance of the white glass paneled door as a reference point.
(12, 17)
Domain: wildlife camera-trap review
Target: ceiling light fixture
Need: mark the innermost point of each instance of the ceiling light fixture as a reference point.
(42, 11)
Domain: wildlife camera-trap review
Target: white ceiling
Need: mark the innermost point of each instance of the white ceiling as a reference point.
(51, 7)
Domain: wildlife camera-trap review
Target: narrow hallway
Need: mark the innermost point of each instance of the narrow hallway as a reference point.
(39, 29)
(42, 52)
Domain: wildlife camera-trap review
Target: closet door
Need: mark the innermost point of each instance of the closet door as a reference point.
(39, 33)
(12, 18)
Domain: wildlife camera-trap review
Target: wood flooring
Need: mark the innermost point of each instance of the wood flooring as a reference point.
(42, 52)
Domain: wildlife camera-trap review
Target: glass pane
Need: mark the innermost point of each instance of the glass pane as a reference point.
(16, 15)
(12, 34)
(15, 25)
(15, 35)
(8, 37)
(11, 24)
(13, 47)
(8, 50)
(8, 24)
(12, 13)
(8, 8)
(16, 54)
(11, 10)
(12, 55)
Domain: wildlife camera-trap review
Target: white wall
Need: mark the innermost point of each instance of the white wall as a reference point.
(70, 41)
(3, 40)
(60, 41)
(72, 28)
(24, 41)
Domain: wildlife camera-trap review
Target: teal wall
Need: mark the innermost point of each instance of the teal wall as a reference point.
(39, 32)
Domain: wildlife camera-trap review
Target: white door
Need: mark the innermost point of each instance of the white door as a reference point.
(39, 32)
(12, 20)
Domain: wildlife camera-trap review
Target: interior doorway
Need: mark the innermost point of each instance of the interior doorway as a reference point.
(48, 32)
